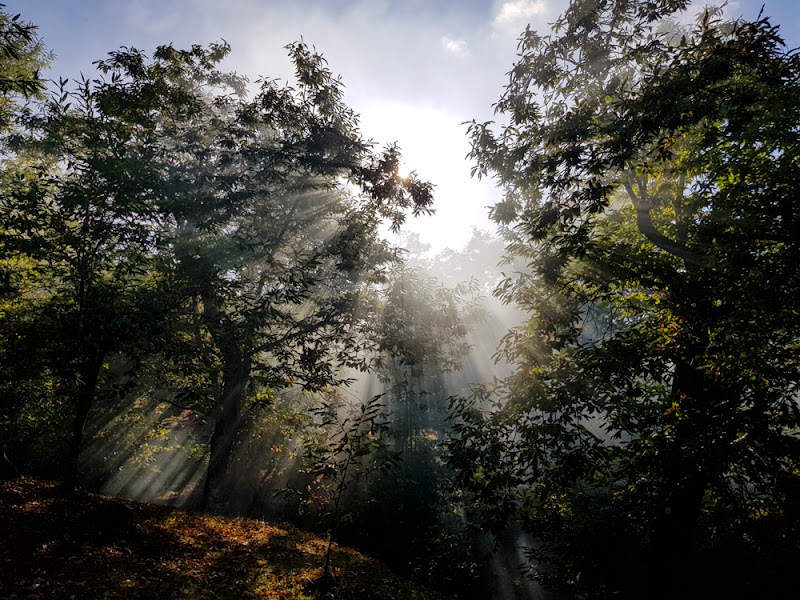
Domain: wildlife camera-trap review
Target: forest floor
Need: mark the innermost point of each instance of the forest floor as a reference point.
(96, 547)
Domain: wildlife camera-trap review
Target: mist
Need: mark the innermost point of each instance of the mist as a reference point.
(442, 326)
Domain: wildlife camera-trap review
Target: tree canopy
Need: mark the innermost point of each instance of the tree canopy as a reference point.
(651, 173)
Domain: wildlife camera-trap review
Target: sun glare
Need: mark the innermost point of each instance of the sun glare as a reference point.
(434, 144)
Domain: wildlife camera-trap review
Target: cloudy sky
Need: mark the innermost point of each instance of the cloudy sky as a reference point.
(415, 70)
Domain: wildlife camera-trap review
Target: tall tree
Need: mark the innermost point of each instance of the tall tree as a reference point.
(651, 173)
(166, 204)
(82, 217)
(422, 329)
(270, 222)
(21, 58)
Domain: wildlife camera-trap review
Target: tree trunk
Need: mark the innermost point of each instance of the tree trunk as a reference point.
(236, 374)
(86, 387)
(684, 481)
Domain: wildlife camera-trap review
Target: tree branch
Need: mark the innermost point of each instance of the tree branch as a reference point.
(177, 404)
(644, 222)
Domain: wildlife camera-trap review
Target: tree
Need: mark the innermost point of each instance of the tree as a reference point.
(351, 443)
(378, 460)
(650, 175)
(22, 56)
(82, 218)
(280, 270)
(165, 210)
(270, 225)
(422, 329)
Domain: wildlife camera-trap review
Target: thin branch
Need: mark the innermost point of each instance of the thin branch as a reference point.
(177, 404)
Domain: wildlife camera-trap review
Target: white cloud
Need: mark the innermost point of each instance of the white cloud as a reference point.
(518, 12)
(457, 48)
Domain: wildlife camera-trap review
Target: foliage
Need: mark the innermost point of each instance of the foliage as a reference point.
(22, 56)
(410, 517)
(172, 225)
(265, 238)
(353, 442)
(477, 261)
(423, 328)
(28, 431)
(650, 175)
(424, 323)
(405, 513)
(80, 217)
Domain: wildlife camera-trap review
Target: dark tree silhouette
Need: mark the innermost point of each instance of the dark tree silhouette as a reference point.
(651, 172)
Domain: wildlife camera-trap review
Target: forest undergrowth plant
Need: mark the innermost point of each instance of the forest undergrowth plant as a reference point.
(352, 442)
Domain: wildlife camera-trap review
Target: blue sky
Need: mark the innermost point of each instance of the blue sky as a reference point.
(414, 69)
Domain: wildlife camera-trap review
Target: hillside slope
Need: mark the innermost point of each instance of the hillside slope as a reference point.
(99, 547)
